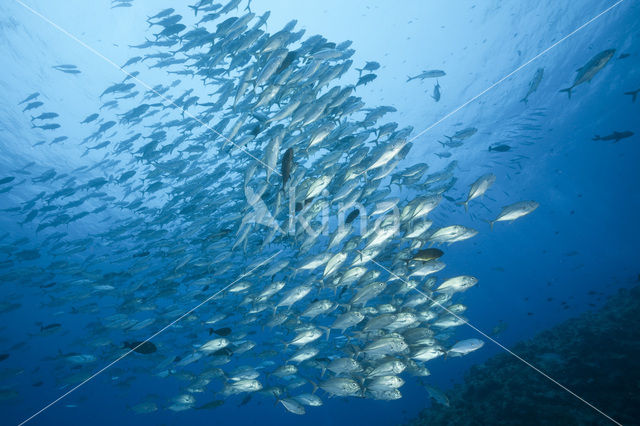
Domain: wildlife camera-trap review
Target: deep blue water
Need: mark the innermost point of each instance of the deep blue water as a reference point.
(577, 247)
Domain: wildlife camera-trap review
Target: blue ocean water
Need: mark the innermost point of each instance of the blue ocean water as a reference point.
(92, 260)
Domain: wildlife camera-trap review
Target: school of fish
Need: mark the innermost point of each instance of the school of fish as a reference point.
(249, 204)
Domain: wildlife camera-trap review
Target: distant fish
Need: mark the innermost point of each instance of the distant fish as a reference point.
(590, 69)
(427, 74)
(58, 140)
(463, 134)
(365, 79)
(50, 327)
(67, 68)
(32, 105)
(121, 4)
(141, 347)
(89, 118)
(162, 14)
(369, 66)
(633, 94)
(70, 71)
(436, 92)
(30, 98)
(225, 331)
(502, 326)
(45, 116)
(500, 148)
(52, 126)
(615, 136)
(533, 84)
(210, 405)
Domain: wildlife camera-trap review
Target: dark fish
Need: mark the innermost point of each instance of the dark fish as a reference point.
(126, 175)
(500, 148)
(615, 136)
(288, 60)
(212, 404)
(50, 327)
(365, 79)
(352, 216)
(141, 347)
(225, 331)
(287, 164)
(633, 94)
(30, 98)
(369, 66)
(3, 357)
(45, 116)
(428, 254)
(533, 84)
(6, 180)
(70, 71)
(48, 126)
(223, 351)
(436, 92)
(32, 105)
(58, 140)
(245, 400)
(89, 119)
(162, 14)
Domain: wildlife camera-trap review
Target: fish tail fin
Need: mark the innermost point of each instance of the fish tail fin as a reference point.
(568, 90)
(315, 386)
(327, 330)
(286, 344)
(596, 138)
(356, 351)
(465, 204)
(525, 100)
(490, 222)
(408, 78)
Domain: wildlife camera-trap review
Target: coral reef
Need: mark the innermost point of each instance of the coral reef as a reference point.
(594, 355)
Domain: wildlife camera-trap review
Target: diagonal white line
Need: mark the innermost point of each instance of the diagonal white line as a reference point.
(581, 27)
(148, 339)
(164, 98)
(485, 335)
